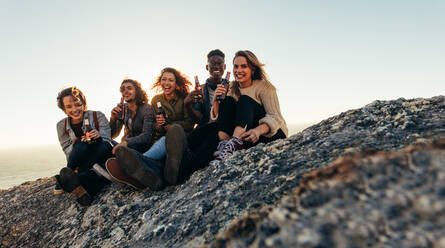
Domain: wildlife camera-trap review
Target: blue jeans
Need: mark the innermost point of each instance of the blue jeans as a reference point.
(157, 150)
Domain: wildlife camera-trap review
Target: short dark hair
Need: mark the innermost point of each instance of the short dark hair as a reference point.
(75, 93)
(215, 52)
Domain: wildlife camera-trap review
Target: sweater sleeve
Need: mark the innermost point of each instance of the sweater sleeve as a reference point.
(64, 138)
(213, 116)
(145, 137)
(104, 126)
(273, 117)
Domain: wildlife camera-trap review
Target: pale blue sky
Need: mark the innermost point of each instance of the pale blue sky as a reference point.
(324, 57)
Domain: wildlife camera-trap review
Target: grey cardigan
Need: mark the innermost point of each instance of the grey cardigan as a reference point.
(66, 134)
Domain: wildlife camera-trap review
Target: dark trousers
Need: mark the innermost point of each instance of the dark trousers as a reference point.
(92, 182)
(244, 113)
(84, 155)
(202, 141)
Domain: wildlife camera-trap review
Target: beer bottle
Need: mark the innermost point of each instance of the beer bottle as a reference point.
(224, 82)
(197, 87)
(86, 129)
(121, 115)
(161, 111)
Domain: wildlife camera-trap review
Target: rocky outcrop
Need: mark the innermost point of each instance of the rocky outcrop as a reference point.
(281, 194)
(371, 199)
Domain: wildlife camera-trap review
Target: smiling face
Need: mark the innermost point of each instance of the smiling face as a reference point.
(128, 92)
(73, 108)
(241, 70)
(168, 83)
(216, 67)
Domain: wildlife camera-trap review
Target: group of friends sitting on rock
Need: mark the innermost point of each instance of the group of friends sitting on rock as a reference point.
(166, 140)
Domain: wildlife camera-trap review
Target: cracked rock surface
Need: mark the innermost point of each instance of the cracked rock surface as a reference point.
(241, 201)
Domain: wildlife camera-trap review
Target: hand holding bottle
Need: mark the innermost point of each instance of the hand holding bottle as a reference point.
(92, 135)
(119, 111)
(160, 122)
(219, 91)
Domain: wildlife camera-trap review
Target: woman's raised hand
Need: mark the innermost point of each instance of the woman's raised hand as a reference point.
(160, 121)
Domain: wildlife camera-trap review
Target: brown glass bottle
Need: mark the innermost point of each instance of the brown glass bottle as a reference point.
(224, 82)
(160, 111)
(197, 98)
(86, 129)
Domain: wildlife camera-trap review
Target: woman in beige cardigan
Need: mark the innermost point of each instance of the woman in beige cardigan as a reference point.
(250, 112)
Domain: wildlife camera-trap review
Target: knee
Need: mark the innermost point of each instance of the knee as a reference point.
(105, 147)
(246, 100)
(228, 101)
(80, 147)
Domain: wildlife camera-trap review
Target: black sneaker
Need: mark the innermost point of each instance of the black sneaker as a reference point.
(175, 144)
(143, 169)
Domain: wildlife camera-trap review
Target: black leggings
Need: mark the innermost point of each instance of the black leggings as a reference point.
(244, 113)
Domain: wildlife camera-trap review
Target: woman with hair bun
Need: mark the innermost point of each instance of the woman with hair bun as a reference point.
(84, 136)
(250, 113)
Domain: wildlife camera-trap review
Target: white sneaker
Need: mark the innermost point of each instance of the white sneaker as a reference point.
(102, 172)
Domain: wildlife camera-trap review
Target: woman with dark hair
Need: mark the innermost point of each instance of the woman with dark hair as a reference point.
(84, 136)
(142, 169)
(136, 115)
(250, 113)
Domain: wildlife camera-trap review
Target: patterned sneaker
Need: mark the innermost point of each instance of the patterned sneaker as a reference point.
(234, 144)
(220, 147)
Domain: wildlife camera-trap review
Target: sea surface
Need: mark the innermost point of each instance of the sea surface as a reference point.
(19, 165)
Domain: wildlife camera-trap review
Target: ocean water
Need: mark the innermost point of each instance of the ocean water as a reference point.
(28, 164)
(19, 165)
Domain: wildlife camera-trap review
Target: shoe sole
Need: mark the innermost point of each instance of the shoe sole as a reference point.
(174, 145)
(58, 191)
(102, 171)
(133, 167)
(69, 182)
(118, 176)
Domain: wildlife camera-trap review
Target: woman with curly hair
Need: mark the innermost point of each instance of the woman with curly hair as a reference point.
(250, 113)
(136, 115)
(141, 170)
(174, 87)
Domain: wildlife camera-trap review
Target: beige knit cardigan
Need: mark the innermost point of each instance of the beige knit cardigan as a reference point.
(265, 95)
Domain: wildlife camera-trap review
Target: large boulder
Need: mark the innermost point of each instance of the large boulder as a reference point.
(201, 210)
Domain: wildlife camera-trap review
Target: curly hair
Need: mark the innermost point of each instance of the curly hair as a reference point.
(141, 96)
(182, 83)
(75, 93)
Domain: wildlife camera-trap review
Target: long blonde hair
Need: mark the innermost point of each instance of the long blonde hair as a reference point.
(255, 65)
